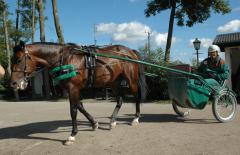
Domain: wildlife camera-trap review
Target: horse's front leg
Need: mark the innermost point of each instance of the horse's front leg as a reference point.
(75, 104)
(73, 112)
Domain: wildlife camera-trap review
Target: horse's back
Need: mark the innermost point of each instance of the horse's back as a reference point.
(120, 50)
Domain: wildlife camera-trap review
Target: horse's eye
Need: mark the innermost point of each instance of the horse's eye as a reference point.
(18, 61)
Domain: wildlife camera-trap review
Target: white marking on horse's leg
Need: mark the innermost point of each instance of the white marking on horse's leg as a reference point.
(186, 113)
(113, 124)
(135, 121)
(95, 126)
(70, 140)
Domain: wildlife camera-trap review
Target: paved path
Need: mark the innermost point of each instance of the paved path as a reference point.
(39, 128)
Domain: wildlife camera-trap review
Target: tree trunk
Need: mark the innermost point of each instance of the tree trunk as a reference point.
(7, 44)
(6, 39)
(17, 23)
(33, 20)
(56, 21)
(170, 31)
(41, 20)
(42, 38)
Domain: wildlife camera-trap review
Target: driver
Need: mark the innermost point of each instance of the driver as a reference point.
(214, 67)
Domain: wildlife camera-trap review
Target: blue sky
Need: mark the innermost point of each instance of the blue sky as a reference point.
(123, 22)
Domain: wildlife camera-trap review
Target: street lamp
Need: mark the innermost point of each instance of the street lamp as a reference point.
(196, 44)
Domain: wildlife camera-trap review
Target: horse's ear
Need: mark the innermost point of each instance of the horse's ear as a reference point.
(22, 44)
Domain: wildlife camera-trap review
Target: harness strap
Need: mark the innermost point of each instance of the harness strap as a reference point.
(90, 62)
(90, 59)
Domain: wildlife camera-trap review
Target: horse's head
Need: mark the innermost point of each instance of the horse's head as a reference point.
(23, 65)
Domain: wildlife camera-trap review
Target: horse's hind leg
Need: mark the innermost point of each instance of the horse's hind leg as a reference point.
(137, 115)
(87, 115)
(113, 122)
(134, 90)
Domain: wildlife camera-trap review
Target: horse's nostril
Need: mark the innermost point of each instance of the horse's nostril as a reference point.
(13, 84)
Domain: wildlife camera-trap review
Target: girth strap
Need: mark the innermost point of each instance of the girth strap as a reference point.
(90, 59)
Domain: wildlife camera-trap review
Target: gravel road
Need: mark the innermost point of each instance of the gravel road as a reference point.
(40, 127)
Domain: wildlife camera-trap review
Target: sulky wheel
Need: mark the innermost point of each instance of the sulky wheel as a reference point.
(183, 112)
(224, 106)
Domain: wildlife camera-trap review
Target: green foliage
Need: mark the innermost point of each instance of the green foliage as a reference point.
(194, 62)
(156, 80)
(26, 14)
(2, 6)
(155, 56)
(189, 12)
(176, 62)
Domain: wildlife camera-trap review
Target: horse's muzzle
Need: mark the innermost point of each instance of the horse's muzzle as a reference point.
(14, 85)
(19, 85)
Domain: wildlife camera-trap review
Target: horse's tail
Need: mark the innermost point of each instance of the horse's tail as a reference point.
(142, 85)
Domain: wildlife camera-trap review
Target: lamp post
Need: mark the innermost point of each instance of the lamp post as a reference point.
(196, 44)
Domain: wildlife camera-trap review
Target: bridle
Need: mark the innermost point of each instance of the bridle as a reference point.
(27, 75)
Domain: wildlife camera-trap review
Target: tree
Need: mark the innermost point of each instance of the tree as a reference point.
(41, 20)
(187, 13)
(33, 20)
(155, 56)
(23, 21)
(42, 38)
(17, 21)
(3, 9)
(29, 18)
(56, 22)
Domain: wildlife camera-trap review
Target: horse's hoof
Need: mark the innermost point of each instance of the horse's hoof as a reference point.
(135, 121)
(113, 125)
(69, 141)
(95, 126)
(186, 113)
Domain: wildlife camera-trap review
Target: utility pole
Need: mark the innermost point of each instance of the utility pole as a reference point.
(94, 34)
(148, 43)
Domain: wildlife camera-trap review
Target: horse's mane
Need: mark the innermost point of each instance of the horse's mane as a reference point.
(53, 43)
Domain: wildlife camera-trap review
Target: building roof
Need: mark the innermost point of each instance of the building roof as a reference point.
(227, 40)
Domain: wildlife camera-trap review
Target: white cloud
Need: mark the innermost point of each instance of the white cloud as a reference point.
(129, 32)
(231, 26)
(205, 42)
(132, 32)
(161, 39)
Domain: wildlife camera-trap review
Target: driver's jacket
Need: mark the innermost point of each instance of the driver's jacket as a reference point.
(216, 69)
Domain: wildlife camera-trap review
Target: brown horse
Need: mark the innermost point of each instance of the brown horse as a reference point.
(107, 72)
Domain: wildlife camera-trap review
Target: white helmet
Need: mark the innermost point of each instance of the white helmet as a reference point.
(213, 48)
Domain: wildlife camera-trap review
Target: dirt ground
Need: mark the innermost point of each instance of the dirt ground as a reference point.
(40, 127)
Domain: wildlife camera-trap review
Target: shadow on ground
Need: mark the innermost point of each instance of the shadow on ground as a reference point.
(27, 131)
(162, 118)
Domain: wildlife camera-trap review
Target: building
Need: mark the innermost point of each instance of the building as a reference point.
(230, 44)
